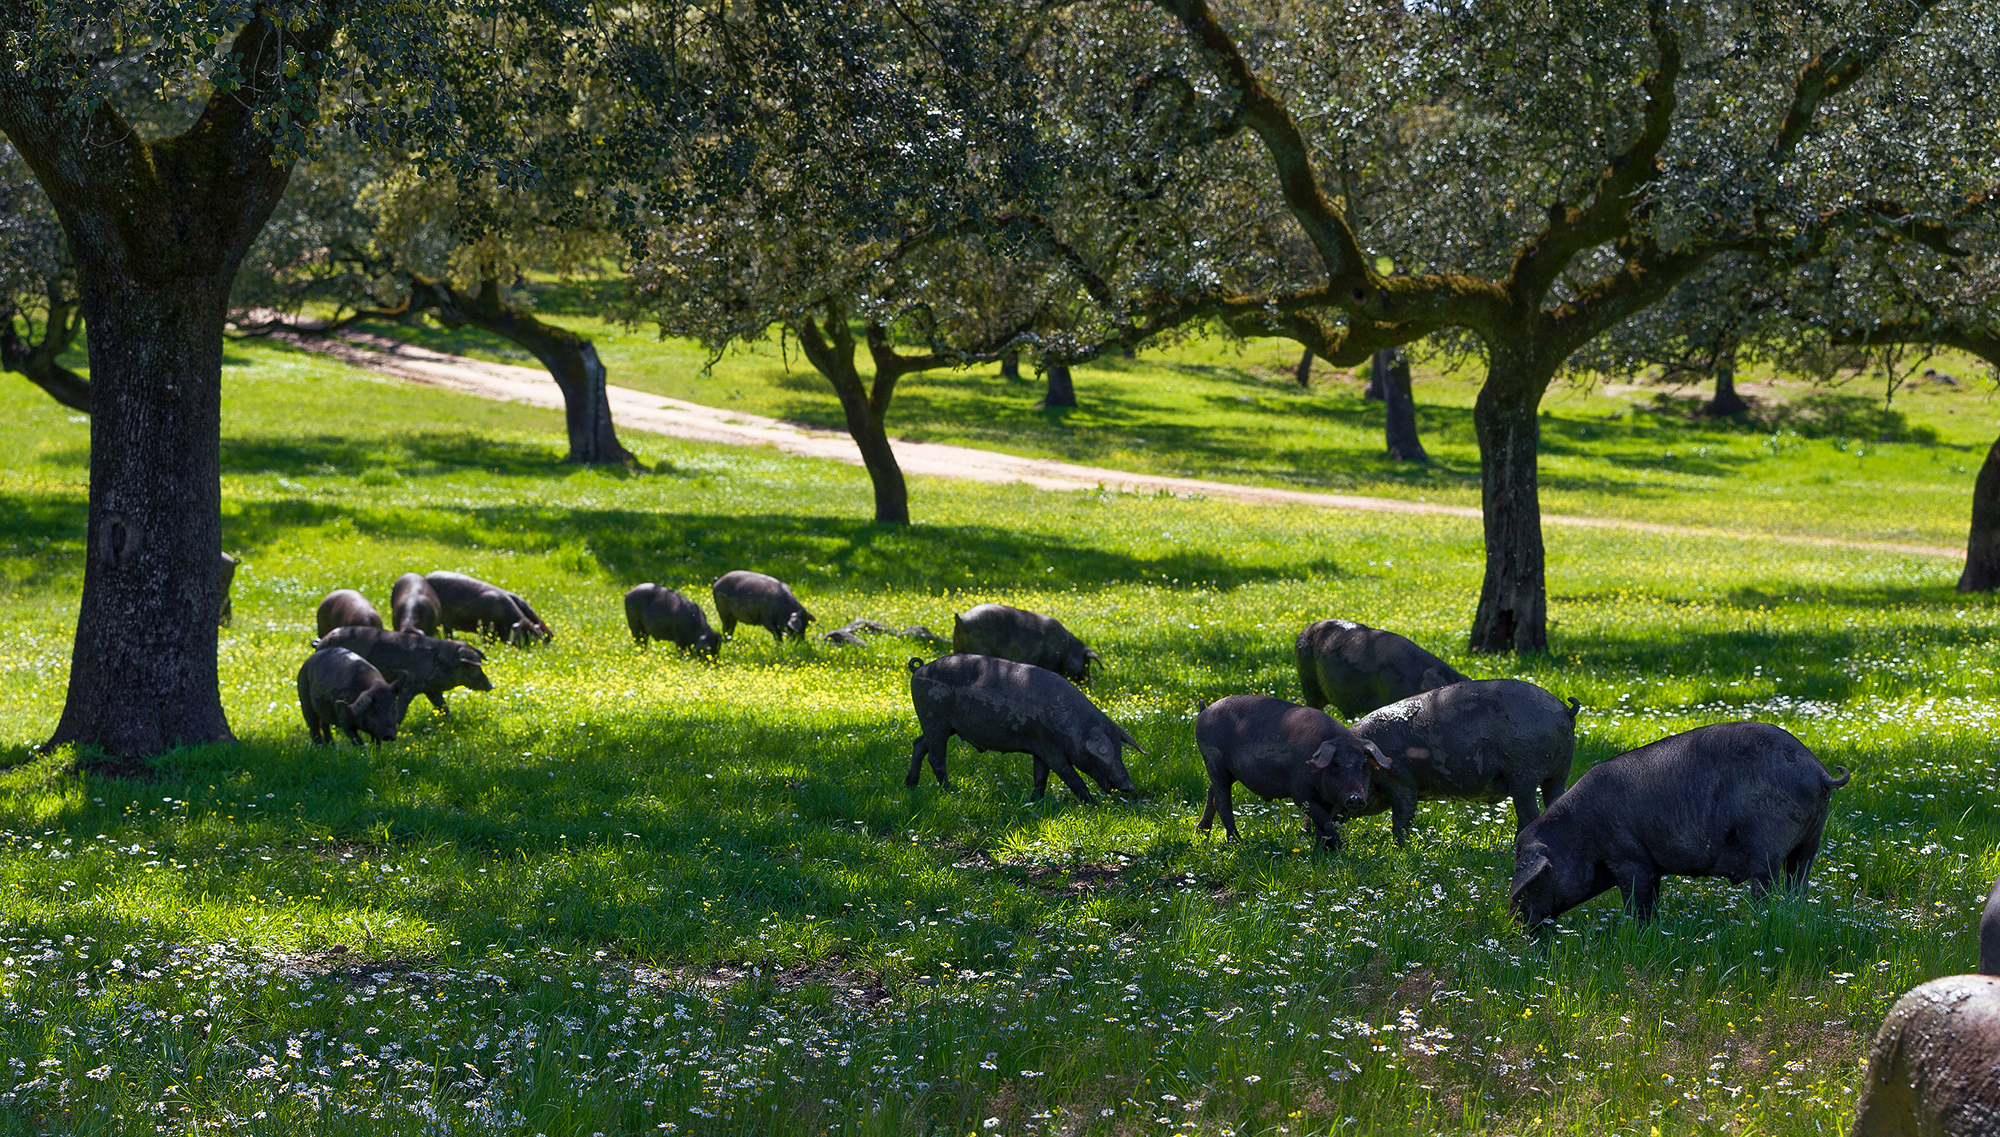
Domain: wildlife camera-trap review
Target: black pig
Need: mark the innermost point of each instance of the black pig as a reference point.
(344, 607)
(414, 605)
(1018, 708)
(468, 604)
(1278, 749)
(765, 601)
(1741, 800)
(1934, 1070)
(1989, 933)
(1024, 637)
(1358, 668)
(1483, 739)
(338, 688)
(429, 666)
(653, 612)
(227, 571)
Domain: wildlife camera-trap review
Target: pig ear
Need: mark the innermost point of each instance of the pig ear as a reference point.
(1535, 869)
(1090, 653)
(343, 714)
(1100, 744)
(1126, 735)
(1323, 757)
(1382, 761)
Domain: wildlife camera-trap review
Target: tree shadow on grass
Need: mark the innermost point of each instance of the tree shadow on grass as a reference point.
(414, 454)
(46, 532)
(810, 551)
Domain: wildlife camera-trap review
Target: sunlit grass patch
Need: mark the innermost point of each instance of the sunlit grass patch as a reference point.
(629, 891)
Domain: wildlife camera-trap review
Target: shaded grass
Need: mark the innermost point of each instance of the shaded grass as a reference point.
(537, 895)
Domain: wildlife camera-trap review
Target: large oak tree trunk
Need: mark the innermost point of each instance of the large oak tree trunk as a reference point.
(870, 434)
(1010, 364)
(1726, 400)
(1400, 423)
(143, 675)
(1303, 374)
(1982, 546)
(1061, 390)
(570, 358)
(1378, 374)
(831, 352)
(1513, 599)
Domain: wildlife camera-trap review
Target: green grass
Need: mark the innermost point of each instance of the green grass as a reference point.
(1214, 409)
(627, 892)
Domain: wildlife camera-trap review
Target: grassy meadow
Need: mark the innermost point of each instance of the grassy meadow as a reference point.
(1813, 461)
(627, 892)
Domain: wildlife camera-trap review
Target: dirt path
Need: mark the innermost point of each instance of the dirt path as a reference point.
(637, 410)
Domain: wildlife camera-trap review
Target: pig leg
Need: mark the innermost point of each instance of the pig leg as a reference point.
(1552, 788)
(437, 701)
(1041, 779)
(1320, 824)
(1402, 814)
(1068, 774)
(932, 742)
(638, 627)
(1524, 805)
(1798, 863)
(1640, 886)
(1218, 789)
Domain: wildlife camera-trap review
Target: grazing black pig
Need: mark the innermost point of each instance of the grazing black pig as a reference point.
(468, 604)
(429, 666)
(228, 574)
(1358, 668)
(1741, 800)
(1024, 637)
(1934, 1070)
(1989, 933)
(653, 612)
(344, 607)
(764, 601)
(414, 605)
(1278, 749)
(1483, 739)
(338, 688)
(1017, 708)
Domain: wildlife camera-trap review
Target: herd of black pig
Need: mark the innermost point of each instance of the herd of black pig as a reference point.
(1745, 801)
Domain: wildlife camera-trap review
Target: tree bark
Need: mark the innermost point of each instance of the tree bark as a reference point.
(1513, 599)
(1010, 364)
(570, 358)
(1378, 375)
(1303, 376)
(1726, 400)
(1400, 423)
(1982, 546)
(831, 351)
(1061, 390)
(40, 362)
(157, 229)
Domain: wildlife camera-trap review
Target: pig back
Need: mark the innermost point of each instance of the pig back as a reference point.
(754, 597)
(1262, 742)
(998, 704)
(1934, 1069)
(413, 604)
(1721, 800)
(1480, 738)
(1016, 634)
(1360, 668)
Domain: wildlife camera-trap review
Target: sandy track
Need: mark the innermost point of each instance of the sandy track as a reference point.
(637, 410)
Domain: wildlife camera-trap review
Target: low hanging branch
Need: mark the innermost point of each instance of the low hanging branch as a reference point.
(40, 361)
(571, 359)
